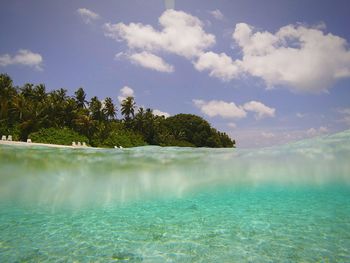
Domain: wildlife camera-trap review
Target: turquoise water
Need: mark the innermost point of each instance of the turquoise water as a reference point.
(288, 203)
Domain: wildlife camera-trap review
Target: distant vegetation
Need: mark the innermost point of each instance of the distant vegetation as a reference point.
(63, 136)
(55, 117)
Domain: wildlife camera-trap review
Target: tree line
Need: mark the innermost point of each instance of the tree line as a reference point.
(55, 117)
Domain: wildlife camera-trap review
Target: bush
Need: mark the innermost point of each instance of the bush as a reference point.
(63, 136)
(125, 139)
(14, 131)
(196, 131)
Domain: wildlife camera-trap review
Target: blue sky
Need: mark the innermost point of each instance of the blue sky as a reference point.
(265, 72)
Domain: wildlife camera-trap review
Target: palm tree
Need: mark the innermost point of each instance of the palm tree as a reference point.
(31, 115)
(7, 95)
(95, 107)
(139, 120)
(56, 107)
(61, 94)
(109, 109)
(39, 93)
(27, 90)
(128, 108)
(80, 96)
(84, 124)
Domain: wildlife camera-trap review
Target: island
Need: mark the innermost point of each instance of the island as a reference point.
(30, 112)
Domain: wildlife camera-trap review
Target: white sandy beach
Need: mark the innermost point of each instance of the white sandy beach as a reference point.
(17, 143)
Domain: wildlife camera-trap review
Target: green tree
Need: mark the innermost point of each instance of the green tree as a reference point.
(30, 108)
(109, 109)
(56, 108)
(95, 107)
(39, 93)
(8, 115)
(128, 109)
(84, 123)
(80, 98)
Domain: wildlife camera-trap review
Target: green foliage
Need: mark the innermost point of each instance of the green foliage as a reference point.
(80, 96)
(195, 130)
(125, 139)
(128, 109)
(109, 110)
(55, 117)
(63, 136)
(13, 131)
(150, 126)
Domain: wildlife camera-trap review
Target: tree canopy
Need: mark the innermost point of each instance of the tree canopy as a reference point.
(31, 111)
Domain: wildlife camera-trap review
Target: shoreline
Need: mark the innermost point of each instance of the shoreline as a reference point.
(28, 144)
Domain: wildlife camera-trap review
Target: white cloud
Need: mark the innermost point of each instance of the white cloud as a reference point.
(125, 92)
(345, 112)
(87, 15)
(230, 110)
(219, 65)
(217, 14)
(220, 108)
(23, 57)
(260, 109)
(298, 57)
(300, 115)
(151, 61)
(181, 34)
(317, 131)
(232, 125)
(267, 135)
(301, 58)
(161, 113)
(120, 55)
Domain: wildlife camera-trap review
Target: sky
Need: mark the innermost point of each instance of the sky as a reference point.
(265, 72)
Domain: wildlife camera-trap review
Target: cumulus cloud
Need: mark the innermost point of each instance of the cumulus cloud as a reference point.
(267, 135)
(300, 115)
(301, 58)
(230, 110)
(220, 108)
(232, 125)
(151, 61)
(23, 57)
(87, 15)
(217, 14)
(261, 110)
(125, 92)
(181, 34)
(161, 113)
(317, 131)
(345, 112)
(219, 65)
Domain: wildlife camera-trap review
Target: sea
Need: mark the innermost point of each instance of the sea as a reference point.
(287, 203)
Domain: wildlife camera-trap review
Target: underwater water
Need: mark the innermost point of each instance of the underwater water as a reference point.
(287, 203)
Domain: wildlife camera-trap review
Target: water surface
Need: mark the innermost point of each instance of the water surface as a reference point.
(288, 203)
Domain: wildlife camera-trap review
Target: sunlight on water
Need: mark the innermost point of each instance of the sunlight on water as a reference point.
(153, 204)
